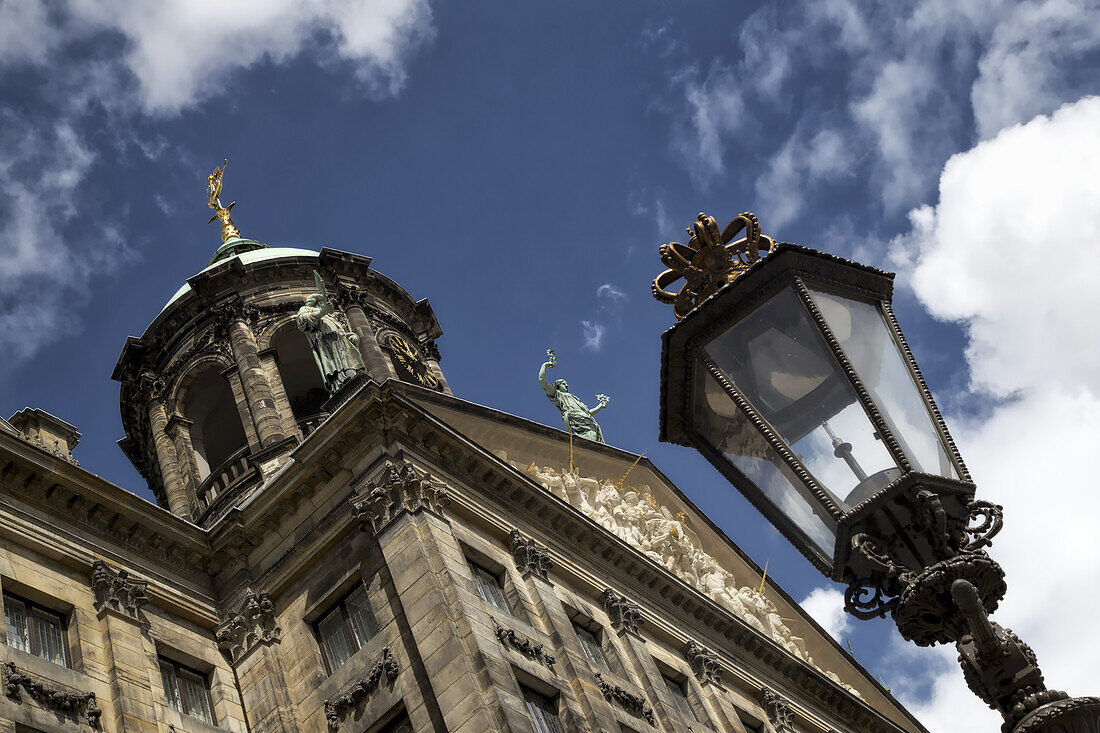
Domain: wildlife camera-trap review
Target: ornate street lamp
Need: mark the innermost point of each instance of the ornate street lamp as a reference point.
(789, 373)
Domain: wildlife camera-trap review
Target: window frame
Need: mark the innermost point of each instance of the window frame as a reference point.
(504, 605)
(580, 630)
(177, 669)
(29, 609)
(684, 698)
(555, 701)
(349, 628)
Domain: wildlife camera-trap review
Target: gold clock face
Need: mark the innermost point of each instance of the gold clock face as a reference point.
(411, 361)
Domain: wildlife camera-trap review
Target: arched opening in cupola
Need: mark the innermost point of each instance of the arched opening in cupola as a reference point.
(301, 379)
(216, 431)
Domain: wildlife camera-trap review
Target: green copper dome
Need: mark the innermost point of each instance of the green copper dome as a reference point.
(235, 247)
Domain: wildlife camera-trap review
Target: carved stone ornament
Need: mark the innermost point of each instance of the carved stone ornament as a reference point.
(704, 663)
(528, 647)
(530, 557)
(385, 666)
(778, 710)
(624, 615)
(116, 590)
(632, 703)
(401, 487)
(48, 696)
(251, 624)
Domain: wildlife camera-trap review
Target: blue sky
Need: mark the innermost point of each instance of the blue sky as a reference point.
(519, 163)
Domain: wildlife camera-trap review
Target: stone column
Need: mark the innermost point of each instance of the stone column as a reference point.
(179, 430)
(174, 488)
(379, 367)
(626, 617)
(433, 357)
(257, 391)
(461, 657)
(250, 638)
(707, 668)
(534, 563)
(118, 600)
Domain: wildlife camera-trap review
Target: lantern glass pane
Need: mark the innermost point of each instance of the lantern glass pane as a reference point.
(865, 336)
(780, 361)
(726, 429)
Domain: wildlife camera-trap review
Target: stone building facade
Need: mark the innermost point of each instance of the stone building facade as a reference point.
(393, 558)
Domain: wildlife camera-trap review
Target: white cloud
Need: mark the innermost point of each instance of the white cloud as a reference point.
(133, 61)
(593, 333)
(826, 606)
(611, 293)
(1010, 251)
(904, 81)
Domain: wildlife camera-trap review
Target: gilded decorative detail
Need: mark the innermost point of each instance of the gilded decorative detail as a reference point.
(213, 200)
(401, 487)
(529, 556)
(385, 666)
(411, 361)
(709, 260)
(251, 624)
(116, 590)
(50, 696)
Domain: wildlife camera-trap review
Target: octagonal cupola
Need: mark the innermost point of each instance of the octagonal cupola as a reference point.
(224, 382)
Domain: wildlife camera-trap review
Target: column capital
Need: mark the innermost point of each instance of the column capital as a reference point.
(400, 487)
(704, 663)
(530, 557)
(116, 590)
(625, 615)
(250, 624)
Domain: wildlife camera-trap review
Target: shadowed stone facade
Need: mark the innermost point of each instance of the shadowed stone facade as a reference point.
(466, 580)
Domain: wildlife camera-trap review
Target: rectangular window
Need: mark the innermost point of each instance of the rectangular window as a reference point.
(681, 698)
(346, 627)
(186, 690)
(543, 711)
(36, 630)
(590, 643)
(400, 724)
(489, 587)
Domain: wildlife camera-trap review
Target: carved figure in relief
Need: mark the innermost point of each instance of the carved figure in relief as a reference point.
(576, 416)
(335, 351)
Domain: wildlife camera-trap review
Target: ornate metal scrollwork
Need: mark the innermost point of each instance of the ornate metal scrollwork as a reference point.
(992, 519)
(868, 602)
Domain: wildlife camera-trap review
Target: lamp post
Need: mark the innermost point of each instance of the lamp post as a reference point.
(789, 373)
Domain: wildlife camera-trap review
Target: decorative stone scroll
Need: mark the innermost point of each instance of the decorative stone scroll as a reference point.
(624, 614)
(530, 557)
(778, 710)
(385, 666)
(635, 704)
(252, 623)
(704, 663)
(400, 487)
(55, 698)
(116, 590)
(525, 645)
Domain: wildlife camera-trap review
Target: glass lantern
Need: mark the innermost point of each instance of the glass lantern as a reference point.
(795, 381)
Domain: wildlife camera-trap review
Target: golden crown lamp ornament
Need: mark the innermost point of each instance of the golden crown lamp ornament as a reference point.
(709, 260)
(214, 192)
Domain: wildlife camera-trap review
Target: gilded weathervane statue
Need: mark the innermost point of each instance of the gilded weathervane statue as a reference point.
(576, 416)
(214, 192)
(335, 351)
